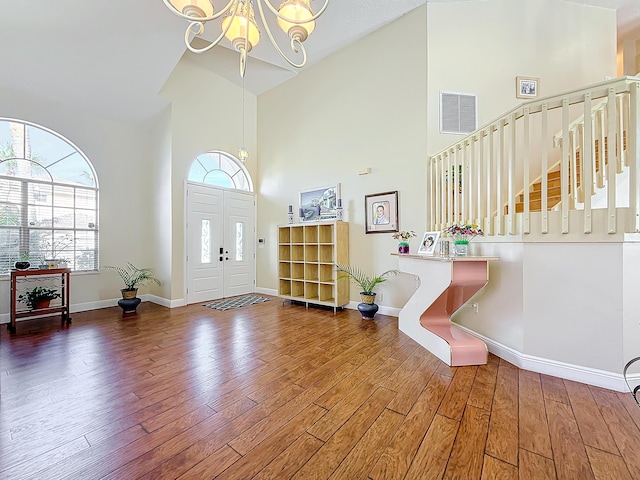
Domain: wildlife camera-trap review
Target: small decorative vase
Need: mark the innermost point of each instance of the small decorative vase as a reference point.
(462, 248)
(403, 247)
(22, 265)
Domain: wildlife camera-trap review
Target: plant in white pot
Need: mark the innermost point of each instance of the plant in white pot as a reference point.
(367, 283)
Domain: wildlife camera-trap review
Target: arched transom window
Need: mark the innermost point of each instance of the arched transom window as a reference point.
(48, 199)
(220, 169)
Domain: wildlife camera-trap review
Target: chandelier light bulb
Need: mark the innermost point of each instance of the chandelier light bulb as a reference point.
(193, 8)
(241, 29)
(300, 12)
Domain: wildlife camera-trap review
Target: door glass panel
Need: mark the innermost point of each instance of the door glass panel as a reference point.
(205, 242)
(239, 241)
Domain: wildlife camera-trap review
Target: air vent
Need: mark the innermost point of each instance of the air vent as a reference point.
(458, 112)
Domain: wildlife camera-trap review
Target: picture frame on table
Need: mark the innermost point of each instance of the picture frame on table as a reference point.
(527, 87)
(381, 212)
(320, 203)
(428, 243)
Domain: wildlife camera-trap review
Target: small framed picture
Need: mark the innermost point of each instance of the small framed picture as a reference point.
(319, 203)
(527, 87)
(428, 243)
(381, 212)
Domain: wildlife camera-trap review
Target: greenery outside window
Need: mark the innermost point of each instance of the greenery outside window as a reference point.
(48, 199)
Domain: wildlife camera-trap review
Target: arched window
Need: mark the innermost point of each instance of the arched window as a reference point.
(48, 199)
(220, 169)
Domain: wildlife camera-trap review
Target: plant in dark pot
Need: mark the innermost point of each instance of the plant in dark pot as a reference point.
(23, 263)
(367, 283)
(133, 277)
(38, 297)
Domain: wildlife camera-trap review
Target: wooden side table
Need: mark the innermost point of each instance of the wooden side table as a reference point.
(60, 275)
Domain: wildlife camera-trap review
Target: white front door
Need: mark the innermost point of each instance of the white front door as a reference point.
(239, 260)
(220, 243)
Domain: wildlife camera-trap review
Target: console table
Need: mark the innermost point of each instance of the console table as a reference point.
(59, 275)
(446, 283)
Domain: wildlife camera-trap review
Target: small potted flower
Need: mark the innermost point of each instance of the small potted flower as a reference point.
(462, 235)
(403, 236)
(38, 297)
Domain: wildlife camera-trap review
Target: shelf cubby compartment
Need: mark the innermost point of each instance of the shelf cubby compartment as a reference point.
(284, 252)
(326, 273)
(297, 289)
(325, 233)
(284, 270)
(297, 271)
(311, 271)
(310, 234)
(311, 291)
(326, 293)
(284, 235)
(285, 288)
(297, 234)
(297, 253)
(311, 253)
(326, 254)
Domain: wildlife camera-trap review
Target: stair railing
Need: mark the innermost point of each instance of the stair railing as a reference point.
(478, 179)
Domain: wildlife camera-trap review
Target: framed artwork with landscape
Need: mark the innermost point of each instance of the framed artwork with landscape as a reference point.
(319, 203)
(381, 212)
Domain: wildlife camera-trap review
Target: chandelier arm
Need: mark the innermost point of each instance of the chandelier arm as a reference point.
(277, 47)
(200, 28)
(200, 19)
(292, 20)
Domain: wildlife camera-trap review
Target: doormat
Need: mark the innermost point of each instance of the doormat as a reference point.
(236, 302)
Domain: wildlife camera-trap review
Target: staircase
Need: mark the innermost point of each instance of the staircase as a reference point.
(560, 136)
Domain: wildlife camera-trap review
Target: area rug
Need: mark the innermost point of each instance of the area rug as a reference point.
(236, 302)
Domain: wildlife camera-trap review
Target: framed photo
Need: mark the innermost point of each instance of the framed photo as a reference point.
(319, 204)
(428, 243)
(527, 87)
(381, 212)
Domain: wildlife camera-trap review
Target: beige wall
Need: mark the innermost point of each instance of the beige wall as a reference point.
(376, 104)
(362, 107)
(206, 114)
(122, 159)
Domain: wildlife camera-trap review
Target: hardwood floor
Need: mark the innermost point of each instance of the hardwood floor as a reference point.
(276, 391)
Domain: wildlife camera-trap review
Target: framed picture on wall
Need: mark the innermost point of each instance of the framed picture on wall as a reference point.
(428, 243)
(527, 87)
(381, 212)
(319, 203)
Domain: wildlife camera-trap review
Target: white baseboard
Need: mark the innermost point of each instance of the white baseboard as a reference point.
(267, 291)
(577, 373)
(382, 310)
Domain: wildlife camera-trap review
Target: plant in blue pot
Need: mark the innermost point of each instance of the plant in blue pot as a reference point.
(367, 283)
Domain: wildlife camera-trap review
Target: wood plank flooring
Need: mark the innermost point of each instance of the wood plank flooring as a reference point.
(278, 391)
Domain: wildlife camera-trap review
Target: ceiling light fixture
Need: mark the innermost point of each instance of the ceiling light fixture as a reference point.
(294, 17)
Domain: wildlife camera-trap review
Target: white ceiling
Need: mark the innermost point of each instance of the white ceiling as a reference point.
(111, 58)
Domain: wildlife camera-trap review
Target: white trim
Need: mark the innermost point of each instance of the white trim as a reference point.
(267, 291)
(577, 373)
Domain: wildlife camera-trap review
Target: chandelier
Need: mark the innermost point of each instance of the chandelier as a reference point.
(238, 24)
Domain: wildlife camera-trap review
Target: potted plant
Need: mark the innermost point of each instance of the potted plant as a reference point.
(367, 283)
(38, 297)
(23, 263)
(133, 277)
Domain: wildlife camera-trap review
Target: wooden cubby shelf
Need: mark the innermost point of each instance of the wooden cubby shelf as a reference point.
(307, 254)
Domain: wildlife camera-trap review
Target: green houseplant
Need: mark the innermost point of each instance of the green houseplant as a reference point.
(133, 277)
(38, 297)
(367, 283)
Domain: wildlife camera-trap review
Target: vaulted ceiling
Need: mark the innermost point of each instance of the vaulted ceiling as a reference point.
(111, 58)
